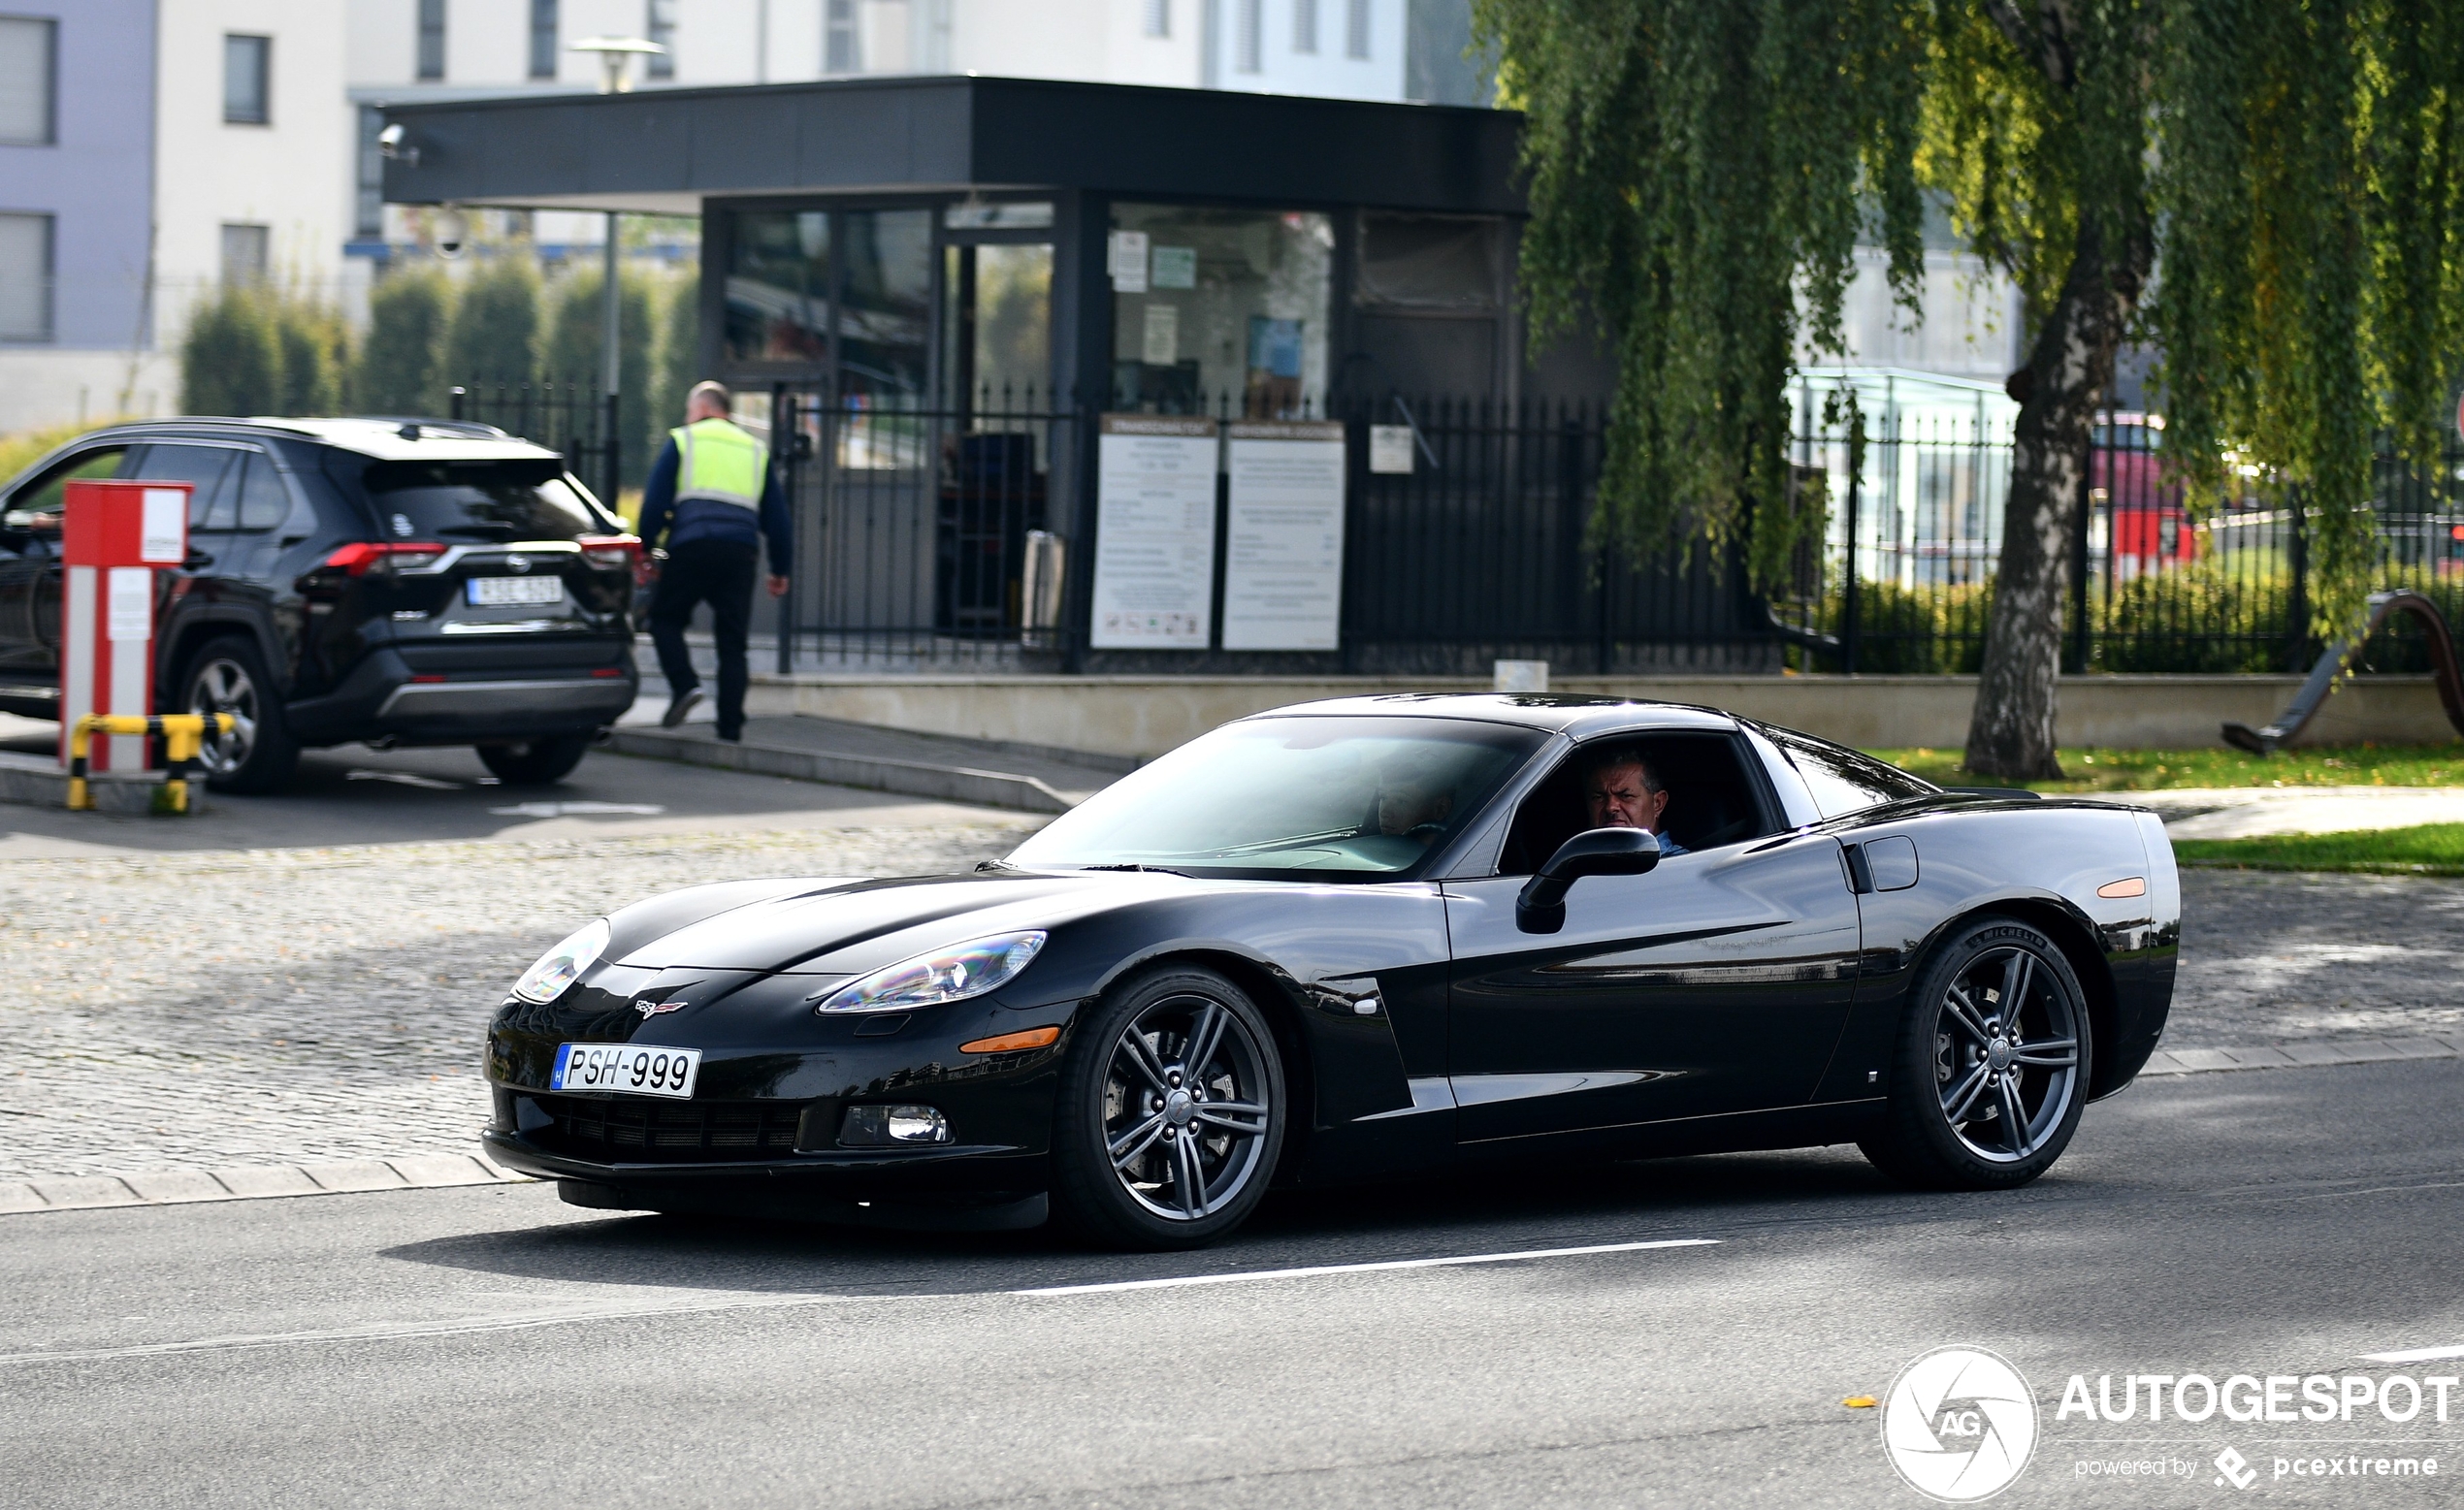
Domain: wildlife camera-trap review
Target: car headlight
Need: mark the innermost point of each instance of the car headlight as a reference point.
(562, 965)
(951, 975)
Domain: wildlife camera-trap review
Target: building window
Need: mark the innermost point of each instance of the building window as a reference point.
(25, 277)
(842, 43)
(1247, 46)
(1356, 28)
(246, 254)
(368, 215)
(248, 81)
(1158, 17)
(543, 38)
(659, 26)
(29, 52)
(1304, 26)
(431, 39)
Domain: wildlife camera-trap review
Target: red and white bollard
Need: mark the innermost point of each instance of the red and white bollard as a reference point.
(115, 538)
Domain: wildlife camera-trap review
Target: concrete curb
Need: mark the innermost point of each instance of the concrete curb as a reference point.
(873, 773)
(259, 1182)
(2301, 1054)
(38, 781)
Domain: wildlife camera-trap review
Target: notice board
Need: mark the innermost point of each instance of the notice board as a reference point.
(1284, 554)
(1154, 533)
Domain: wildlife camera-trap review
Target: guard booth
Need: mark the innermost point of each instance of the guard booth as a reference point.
(928, 290)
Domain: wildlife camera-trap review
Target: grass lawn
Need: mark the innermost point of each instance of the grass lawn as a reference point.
(2431, 849)
(2151, 770)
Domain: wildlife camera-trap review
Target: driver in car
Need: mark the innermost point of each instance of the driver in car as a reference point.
(1621, 792)
(1414, 807)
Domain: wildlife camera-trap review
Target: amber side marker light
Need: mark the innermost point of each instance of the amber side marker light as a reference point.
(1010, 1043)
(2136, 885)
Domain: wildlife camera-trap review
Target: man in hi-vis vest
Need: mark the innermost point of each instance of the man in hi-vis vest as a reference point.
(715, 492)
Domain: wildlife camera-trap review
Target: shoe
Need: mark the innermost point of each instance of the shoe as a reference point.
(680, 707)
(731, 736)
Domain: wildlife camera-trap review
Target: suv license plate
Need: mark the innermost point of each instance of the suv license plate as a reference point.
(498, 592)
(634, 1069)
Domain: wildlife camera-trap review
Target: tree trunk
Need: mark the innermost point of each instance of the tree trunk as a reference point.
(2011, 731)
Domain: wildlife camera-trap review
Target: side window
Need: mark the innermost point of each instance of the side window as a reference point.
(215, 502)
(1711, 802)
(264, 501)
(37, 505)
(1842, 781)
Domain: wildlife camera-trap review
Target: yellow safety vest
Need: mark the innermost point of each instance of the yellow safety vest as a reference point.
(717, 461)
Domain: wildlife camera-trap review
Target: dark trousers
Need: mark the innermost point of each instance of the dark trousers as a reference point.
(720, 573)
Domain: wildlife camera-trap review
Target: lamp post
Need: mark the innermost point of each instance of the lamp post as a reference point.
(616, 57)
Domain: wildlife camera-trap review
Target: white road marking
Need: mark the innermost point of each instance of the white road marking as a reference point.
(2413, 1354)
(517, 1321)
(405, 779)
(578, 809)
(1312, 1269)
(705, 1304)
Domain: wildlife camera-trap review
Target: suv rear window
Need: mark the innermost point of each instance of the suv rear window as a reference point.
(488, 500)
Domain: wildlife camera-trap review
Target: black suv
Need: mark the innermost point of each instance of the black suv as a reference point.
(397, 582)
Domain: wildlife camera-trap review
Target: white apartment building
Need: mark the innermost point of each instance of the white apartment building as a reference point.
(151, 150)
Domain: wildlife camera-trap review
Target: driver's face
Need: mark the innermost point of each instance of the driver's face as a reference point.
(1618, 799)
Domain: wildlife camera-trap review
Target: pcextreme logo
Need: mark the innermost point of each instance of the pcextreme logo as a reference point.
(1959, 1424)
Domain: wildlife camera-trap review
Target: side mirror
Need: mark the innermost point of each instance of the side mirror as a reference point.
(1599, 852)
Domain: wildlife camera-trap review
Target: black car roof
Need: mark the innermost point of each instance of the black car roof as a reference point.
(381, 437)
(1572, 714)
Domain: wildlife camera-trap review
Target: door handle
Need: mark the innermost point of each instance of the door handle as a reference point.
(1859, 869)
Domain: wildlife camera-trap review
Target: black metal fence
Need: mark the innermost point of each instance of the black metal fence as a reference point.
(1905, 581)
(565, 417)
(959, 537)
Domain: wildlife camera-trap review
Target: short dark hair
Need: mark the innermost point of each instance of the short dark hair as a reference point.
(1617, 756)
(716, 393)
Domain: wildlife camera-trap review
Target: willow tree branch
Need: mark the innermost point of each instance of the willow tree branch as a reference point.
(2044, 42)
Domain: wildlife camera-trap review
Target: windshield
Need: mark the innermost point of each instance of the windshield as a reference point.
(1325, 798)
(480, 501)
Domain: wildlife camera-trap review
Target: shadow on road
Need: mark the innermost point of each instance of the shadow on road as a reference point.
(1489, 1211)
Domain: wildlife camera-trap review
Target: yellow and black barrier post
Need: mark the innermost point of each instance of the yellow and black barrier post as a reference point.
(181, 733)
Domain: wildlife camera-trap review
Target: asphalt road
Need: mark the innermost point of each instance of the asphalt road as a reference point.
(489, 1346)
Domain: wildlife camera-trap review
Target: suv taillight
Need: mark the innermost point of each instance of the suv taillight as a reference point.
(610, 550)
(362, 556)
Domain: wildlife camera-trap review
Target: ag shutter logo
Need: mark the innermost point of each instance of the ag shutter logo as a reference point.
(1959, 1424)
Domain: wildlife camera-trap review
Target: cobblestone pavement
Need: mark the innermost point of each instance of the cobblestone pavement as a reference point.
(258, 1006)
(206, 1011)
(2270, 958)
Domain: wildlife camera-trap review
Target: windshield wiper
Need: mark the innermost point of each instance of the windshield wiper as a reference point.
(1161, 870)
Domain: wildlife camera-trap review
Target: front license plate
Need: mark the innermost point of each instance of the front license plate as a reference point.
(632, 1069)
(499, 592)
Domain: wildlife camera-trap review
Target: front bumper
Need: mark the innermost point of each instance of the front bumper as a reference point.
(769, 1105)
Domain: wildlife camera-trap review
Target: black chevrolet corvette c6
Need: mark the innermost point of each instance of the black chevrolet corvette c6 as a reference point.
(1356, 939)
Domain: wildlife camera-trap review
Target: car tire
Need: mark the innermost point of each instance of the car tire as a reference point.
(228, 675)
(1154, 1149)
(535, 763)
(1962, 1079)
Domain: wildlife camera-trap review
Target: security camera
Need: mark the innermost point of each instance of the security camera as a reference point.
(390, 143)
(453, 233)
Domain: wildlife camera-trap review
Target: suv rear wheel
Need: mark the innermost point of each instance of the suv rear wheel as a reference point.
(535, 763)
(259, 754)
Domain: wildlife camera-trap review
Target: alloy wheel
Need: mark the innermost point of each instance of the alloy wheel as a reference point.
(2006, 1054)
(1185, 1107)
(221, 685)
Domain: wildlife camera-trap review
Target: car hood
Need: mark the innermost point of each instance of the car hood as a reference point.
(834, 927)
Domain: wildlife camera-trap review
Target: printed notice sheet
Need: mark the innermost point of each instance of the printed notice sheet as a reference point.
(1154, 533)
(1284, 554)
